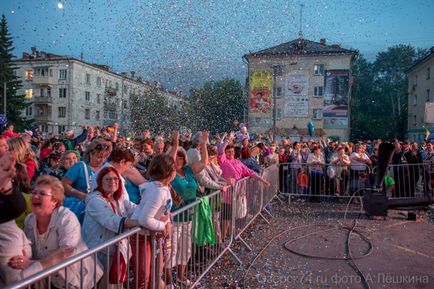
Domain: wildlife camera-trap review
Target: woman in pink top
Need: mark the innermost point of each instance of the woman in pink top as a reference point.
(232, 169)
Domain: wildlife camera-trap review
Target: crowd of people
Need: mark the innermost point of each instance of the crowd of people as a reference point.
(60, 194)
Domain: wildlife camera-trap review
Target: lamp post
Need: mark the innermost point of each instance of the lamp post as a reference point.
(277, 70)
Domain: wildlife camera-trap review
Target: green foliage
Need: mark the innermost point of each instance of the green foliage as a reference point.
(216, 105)
(151, 111)
(379, 94)
(15, 103)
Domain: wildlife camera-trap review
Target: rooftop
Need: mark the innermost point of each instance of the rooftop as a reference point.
(302, 47)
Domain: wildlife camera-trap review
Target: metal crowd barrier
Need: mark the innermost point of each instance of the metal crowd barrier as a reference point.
(269, 193)
(412, 181)
(313, 182)
(202, 232)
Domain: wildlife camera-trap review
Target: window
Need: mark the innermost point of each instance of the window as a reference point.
(318, 91)
(87, 113)
(87, 78)
(43, 71)
(28, 93)
(98, 98)
(29, 111)
(318, 69)
(62, 111)
(278, 113)
(414, 120)
(278, 91)
(98, 81)
(125, 104)
(62, 74)
(317, 113)
(62, 92)
(97, 115)
(28, 75)
(87, 95)
(427, 95)
(428, 73)
(112, 115)
(117, 86)
(60, 129)
(415, 99)
(278, 70)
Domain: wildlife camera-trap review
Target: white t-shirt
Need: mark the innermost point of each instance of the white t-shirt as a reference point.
(356, 165)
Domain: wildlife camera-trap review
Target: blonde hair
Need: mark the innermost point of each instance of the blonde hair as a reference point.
(56, 187)
(22, 149)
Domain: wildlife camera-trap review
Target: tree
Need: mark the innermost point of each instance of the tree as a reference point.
(152, 111)
(216, 105)
(379, 94)
(15, 103)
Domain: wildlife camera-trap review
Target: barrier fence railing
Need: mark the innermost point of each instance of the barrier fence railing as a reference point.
(312, 181)
(202, 232)
(269, 193)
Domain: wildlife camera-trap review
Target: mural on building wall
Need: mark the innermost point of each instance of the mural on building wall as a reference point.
(261, 91)
(336, 88)
(296, 100)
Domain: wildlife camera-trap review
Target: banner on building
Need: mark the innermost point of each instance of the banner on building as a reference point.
(336, 91)
(429, 112)
(296, 102)
(261, 91)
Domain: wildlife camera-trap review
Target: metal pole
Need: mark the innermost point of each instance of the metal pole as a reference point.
(4, 98)
(274, 102)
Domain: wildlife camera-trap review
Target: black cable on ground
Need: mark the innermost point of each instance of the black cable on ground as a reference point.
(349, 258)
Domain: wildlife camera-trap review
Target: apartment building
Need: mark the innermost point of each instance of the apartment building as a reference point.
(420, 98)
(66, 93)
(297, 82)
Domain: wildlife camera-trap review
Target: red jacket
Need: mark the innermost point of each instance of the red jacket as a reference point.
(8, 134)
(31, 167)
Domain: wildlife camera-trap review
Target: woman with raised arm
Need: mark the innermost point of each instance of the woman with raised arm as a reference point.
(235, 169)
(185, 186)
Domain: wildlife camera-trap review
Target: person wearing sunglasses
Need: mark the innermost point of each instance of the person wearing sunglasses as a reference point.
(55, 234)
(78, 178)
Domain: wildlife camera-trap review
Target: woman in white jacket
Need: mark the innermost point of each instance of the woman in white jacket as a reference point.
(108, 212)
(52, 228)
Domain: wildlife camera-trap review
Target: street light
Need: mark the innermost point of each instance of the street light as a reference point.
(277, 70)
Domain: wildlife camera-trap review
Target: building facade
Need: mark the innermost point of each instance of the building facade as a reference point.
(297, 82)
(421, 98)
(66, 93)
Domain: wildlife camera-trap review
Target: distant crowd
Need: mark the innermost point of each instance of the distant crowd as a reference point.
(62, 194)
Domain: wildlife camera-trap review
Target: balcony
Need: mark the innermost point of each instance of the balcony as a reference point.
(111, 91)
(42, 100)
(43, 80)
(42, 117)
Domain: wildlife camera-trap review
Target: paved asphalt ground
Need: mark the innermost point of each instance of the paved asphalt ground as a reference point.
(402, 251)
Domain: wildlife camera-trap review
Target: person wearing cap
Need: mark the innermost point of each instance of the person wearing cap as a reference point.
(71, 142)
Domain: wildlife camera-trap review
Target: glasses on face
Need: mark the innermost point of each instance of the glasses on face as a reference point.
(115, 179)
(101, 147)
(42, 194)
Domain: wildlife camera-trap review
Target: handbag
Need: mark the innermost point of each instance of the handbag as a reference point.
(77, 205)
(118, 269)
(241, 207)
(331, 172)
